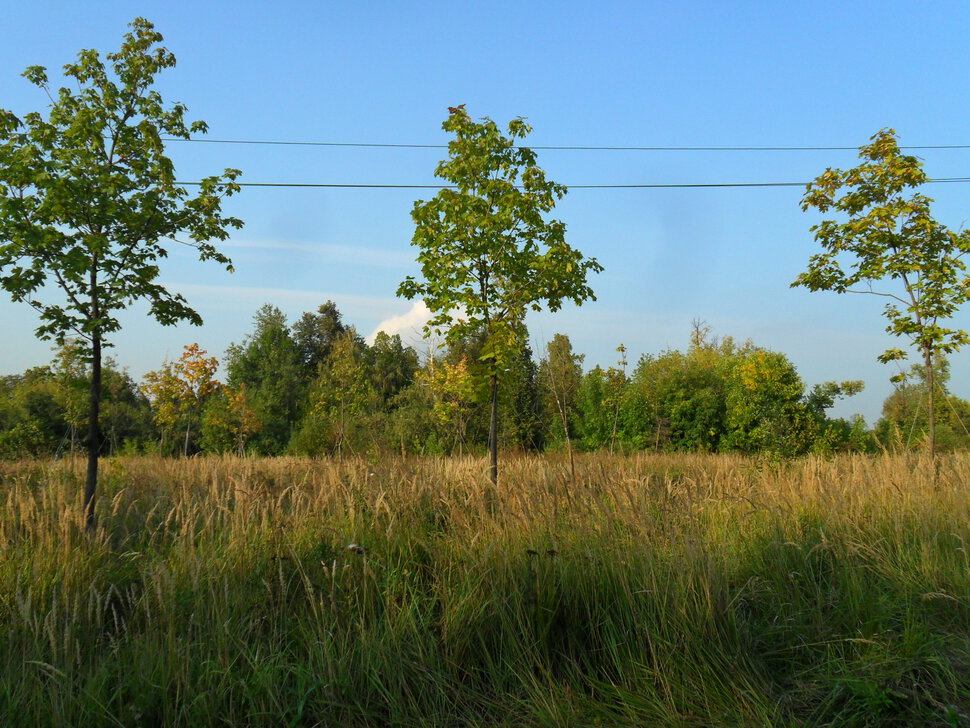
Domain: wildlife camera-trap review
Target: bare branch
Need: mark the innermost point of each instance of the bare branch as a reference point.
(877, 293)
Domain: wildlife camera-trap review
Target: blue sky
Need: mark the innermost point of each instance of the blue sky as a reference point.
(613, 73)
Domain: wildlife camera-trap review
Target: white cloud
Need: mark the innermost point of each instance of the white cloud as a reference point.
(408, 324)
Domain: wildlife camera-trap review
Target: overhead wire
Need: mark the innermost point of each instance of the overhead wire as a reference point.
(701, 185)
(560, 147)
(692, 185)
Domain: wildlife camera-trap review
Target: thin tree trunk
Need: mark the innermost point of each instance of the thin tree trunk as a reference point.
(493, 430)
(561, 405)
(94, 435)
(563, 416)
(569, 442)
(616, 422)
(931, 418)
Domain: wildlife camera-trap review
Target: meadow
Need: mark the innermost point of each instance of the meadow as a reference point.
(654, 590)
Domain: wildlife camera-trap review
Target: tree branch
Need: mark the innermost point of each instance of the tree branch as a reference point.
(877, 293)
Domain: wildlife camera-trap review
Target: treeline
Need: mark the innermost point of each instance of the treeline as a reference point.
(317, 388)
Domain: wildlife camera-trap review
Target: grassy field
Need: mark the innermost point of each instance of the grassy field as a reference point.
(657, 590)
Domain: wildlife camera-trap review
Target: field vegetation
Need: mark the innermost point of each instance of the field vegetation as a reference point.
(313, 541)
(656, 589)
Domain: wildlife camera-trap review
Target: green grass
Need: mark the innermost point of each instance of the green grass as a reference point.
(658, 590)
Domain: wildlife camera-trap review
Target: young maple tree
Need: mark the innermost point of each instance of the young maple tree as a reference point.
(88, 202)
(890, 234)
(487, 253)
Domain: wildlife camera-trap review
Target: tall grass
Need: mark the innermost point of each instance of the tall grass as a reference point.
(657, 590)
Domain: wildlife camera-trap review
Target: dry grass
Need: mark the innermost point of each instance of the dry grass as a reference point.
(658, 590)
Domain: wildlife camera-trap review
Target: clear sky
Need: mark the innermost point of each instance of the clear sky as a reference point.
(609, 73)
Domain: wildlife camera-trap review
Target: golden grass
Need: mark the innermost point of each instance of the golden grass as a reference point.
(657, 589)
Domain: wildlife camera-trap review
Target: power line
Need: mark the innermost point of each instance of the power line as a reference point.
(696, 185)
(585, 148)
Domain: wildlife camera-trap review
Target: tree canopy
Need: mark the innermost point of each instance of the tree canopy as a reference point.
(89, 203)
(888, 233)
(487, 252)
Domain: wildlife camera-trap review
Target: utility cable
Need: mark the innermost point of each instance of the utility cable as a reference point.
(696, 185)
(549, 147)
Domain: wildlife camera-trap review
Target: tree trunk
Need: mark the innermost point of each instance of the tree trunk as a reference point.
(569, 440)
(493, 430)
(931, 414)
(616, 423)
(94, 435)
